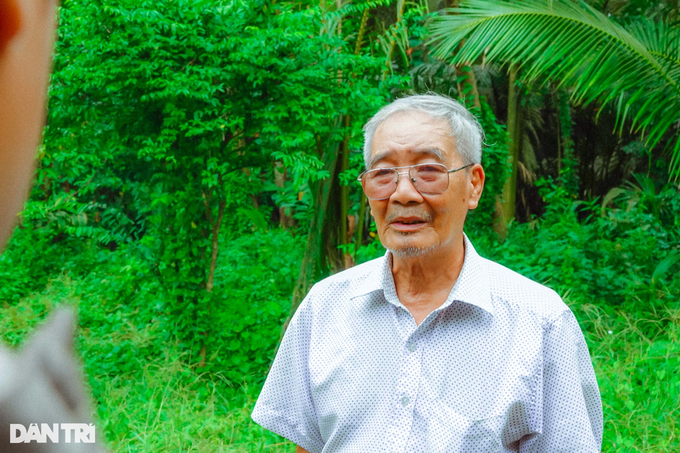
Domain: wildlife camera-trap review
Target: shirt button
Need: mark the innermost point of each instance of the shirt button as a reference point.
(405, 401)
(411, 346)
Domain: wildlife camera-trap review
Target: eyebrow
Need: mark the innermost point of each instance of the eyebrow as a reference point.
(428, 151)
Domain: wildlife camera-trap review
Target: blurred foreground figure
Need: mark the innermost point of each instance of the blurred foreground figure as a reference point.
(41, 385)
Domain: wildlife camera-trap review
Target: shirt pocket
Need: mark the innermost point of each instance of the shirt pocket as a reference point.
(449, 432)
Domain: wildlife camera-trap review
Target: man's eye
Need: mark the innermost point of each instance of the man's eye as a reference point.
(380, 173)
(430, 169)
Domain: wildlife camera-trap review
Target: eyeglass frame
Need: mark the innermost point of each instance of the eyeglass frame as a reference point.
(408, 172)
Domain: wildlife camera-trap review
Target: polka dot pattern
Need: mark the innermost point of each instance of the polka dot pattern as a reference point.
(501, 366)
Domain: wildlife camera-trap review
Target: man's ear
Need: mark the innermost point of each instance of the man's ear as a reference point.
(477, 178)
(10, 21)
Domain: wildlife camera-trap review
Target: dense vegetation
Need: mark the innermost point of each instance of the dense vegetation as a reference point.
(198, 175)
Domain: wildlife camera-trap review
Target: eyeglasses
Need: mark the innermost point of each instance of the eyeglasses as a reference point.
(428, 179)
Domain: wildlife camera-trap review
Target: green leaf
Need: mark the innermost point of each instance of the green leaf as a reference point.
(664, 266)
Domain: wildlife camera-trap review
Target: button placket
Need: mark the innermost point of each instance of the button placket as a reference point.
(405, 396)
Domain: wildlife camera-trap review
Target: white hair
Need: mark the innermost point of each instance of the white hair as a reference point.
(465, 128)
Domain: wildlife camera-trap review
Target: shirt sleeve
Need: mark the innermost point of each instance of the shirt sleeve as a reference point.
(285, 405)
(570, 399)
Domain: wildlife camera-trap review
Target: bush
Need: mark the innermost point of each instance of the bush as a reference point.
(33, 256)
(255, 279)
(609, 258)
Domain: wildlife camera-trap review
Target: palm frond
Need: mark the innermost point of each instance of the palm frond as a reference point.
(577, 47)
(662, 40)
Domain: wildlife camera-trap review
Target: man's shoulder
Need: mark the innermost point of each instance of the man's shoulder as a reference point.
(354, 273)
(519, 292)
(350, 279)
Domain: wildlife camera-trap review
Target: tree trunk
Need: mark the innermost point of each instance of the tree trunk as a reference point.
(510, 187)
(556, 99)
(331, 257)
(465, 78)
(401, 4)
(467, 85)
(344, 193)
(567, 168)
(215, 246)
(215, 240)
(360, 226)
(312, 259)
(285, 221)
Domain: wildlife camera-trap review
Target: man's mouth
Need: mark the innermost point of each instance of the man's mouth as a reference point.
(408, 223)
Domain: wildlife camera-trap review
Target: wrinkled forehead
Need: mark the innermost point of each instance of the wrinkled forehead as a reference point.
(417, 117)
(413, 133)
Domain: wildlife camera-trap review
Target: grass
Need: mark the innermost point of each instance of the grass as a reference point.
(150, 400)
(170, 407)
(637, 363)
(158, 403)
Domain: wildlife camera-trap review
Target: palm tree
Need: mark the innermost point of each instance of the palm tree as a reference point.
(635, 68)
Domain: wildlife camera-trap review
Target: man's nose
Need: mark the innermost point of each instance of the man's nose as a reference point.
(406, 191)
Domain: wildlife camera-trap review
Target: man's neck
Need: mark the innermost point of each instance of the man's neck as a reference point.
(423, 283)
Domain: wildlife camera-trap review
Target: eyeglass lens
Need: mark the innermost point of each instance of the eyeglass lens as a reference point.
(428, 179)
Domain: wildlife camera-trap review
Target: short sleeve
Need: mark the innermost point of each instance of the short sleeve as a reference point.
(285, 405)
(570, 399)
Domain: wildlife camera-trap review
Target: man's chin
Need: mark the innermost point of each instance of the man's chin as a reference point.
(412, 251)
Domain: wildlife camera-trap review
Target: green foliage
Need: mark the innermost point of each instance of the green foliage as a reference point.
(633, 68)
(148, 399)
(255, 278)
(636, 356)
(610, 257)
(165, 117)
(139, 375)
(170, 407)
(496, 166)
(568, 176)
(34, 255)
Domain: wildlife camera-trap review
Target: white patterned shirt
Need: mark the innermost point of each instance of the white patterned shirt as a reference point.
(501, 366)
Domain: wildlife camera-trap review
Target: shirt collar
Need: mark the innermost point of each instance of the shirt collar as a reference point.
(472, 286)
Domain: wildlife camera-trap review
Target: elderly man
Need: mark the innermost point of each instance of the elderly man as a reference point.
(431, 348)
